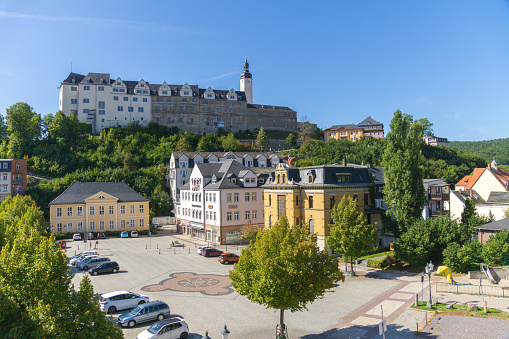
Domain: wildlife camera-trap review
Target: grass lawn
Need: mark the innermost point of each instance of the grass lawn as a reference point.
(462, 310)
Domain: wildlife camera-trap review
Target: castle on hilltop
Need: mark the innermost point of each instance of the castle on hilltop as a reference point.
(99, 100)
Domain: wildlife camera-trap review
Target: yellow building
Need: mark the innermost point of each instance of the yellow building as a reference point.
(308, 194)
(350, 132)
(98, 207)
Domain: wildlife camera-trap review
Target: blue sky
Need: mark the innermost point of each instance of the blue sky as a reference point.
(335, 62)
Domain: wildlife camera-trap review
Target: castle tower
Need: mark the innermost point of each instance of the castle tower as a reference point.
(246, 83)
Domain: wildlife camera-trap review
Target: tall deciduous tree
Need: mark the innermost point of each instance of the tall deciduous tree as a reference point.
(351, 234)
(23, 127)
(284, 269)
(404, 191)
(231, 144)
(261, 140)
(183, 145)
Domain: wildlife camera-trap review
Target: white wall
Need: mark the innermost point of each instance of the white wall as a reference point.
(486, 184)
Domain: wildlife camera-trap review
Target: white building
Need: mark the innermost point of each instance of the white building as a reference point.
(488, 187)
(182, 163)
(219, 202)
(102, 102)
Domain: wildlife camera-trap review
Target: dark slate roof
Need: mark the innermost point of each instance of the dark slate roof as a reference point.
(378, 175)
(498, 197)
(207, 155)
(257, 106)
(73, 78)
(223, 171)
(369, 121)
(79, 191)
(335, 127)
(495, 225)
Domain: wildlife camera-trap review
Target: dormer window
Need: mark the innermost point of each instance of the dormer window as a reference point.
(101, 197)
(343, 178)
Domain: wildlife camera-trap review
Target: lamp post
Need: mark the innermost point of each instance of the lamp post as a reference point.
(429, 269)
(225, 333)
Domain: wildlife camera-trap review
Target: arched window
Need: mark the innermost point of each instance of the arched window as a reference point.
(311, 226)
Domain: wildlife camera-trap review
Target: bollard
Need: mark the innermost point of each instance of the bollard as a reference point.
(159, 251)
(485, 306)
(417, 326)
(74, 252)
(157, 246)
(416, 299)
(226, 248)
(146, 246)
(174, 252)
(426, 320)
(194, 245)
(189, 250)
(78, 247)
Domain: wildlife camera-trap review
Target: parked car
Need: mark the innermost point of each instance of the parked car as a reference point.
(173, 328)
(61, 243)
(202, 248)
(82, 257)
(159, 227)
(134, 234)
(212, 252)
(124, 234)
(227, 258)
(145, 312)
(101, 236)
(107, 267)
(90, 236)
(91, 262)
(76, 236)
(82, 254)
(121, 300)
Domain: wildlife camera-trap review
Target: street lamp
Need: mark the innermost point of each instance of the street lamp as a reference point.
(429, 269)
(225, 333)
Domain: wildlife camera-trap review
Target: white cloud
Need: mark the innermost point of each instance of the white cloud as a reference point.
(98, 22)
(219, 77)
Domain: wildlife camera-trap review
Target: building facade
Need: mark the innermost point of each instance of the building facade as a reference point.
(307, 195)
(488, 187)
(182, 163)
(103, 102)
(435, 141)
(98, 207)
(438, 195)
(13, 177)
(220, 202)
(366, 128)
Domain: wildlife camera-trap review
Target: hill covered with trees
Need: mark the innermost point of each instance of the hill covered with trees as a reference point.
(497, 149)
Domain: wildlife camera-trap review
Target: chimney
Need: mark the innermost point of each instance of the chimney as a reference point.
(489, 166)
(471, 194)
(344, 162)
(460, 190)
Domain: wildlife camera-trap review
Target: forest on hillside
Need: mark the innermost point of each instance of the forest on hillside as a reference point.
(497, 149)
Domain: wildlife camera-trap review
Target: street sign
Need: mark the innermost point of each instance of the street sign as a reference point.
(382, 327)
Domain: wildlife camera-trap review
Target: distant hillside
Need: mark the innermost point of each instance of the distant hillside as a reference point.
(497, 149)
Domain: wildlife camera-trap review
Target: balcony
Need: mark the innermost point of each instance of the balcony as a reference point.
(17, 181)
(436, 213)
(438, 196)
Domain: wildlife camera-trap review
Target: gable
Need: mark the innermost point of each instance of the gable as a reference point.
(101, 197)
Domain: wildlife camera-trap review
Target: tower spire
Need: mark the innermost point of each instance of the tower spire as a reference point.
(246, 82)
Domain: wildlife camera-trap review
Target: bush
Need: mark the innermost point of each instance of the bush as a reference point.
(496, 248)
(456, 258)
(60, 236)
(381, 263)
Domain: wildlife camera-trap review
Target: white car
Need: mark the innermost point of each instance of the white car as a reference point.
(134, 234)
(173, 328)
(201, 249)
(82, 256)
(121, 300)
(76, 236)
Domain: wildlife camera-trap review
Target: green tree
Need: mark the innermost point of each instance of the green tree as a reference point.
(459, 258)
(3, 128)
(468, 211)
(351, 235)
(208, 143)
(426, 125)
(291, 140)
(231, 144)
(261, 140)
(496, 248)
(402, 160)
(160, 202)
(23, 127)
(183, 145)
(284, 269)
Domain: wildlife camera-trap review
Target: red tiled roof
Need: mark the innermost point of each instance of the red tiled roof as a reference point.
(475, 177)
(502, 176)
(464, 181)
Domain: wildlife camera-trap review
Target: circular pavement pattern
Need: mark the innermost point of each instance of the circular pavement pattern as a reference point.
(209, 284)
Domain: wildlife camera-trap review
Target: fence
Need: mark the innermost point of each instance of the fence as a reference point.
(488, 290)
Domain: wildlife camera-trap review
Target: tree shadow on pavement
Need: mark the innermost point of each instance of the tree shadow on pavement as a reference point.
(357, 331)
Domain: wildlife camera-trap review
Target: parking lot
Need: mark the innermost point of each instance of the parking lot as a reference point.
(198, 289)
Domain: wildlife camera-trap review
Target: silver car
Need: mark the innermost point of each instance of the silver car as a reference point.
(91, 262)
(121, 300)
(82, 256)
(155, 310)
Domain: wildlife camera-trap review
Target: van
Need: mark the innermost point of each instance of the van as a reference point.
(93, 262)
(155, 310)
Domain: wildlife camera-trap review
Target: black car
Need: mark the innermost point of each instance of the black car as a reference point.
(101, 236)
(107, 267)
